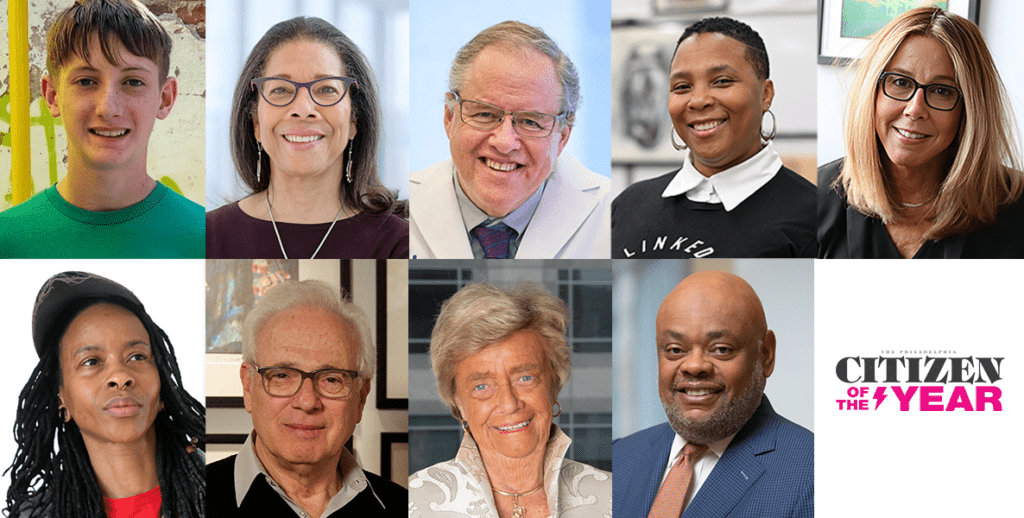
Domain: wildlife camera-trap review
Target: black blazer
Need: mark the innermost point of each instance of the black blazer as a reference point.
(846, 233)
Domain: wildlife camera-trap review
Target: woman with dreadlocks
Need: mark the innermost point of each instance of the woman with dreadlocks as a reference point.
(130, 438)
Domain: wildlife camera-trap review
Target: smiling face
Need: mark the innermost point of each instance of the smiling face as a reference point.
(711, 370)
(108, 110)
(916, 136)
(303, 138)
(504, 392)
(716, 101)
(109, 383)
(304, 429)
(498, 169)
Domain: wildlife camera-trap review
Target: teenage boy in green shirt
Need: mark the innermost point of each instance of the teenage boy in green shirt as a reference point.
(108, 63)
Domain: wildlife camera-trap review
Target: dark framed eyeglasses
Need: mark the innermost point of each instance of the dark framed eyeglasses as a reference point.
(485, 116)
(326, 91)
(902, 88)
(287, 381)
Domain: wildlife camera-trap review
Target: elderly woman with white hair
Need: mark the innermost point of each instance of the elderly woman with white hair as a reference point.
(500, 358)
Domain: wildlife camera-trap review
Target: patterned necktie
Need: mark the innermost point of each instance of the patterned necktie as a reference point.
(495, 240)
(669, 502)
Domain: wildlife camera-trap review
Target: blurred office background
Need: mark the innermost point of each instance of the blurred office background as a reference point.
(644, 36)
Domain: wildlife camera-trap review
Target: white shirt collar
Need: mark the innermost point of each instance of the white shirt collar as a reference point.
(248, 466)
(729, 187)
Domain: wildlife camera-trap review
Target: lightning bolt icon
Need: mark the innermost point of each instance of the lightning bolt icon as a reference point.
(879, 396)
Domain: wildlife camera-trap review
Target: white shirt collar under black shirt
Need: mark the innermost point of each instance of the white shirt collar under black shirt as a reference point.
(248, 467)
(473, 216)
(729, 187)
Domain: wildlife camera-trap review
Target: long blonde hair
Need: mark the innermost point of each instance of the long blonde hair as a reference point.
(985, 174)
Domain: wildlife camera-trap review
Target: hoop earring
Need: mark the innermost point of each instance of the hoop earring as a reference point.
(348, 166)
(672, 137)
(559, 409)
(772, 134)
(259, 160)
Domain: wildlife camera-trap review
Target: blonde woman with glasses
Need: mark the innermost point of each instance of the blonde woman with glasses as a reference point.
(931, 167)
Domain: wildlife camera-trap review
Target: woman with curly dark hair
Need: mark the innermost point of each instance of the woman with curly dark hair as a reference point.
(108, 389)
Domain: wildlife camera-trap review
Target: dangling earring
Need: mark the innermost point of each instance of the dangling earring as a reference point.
(772, 134)
(465, 426)
(672, 137)
(559, 409)
(348, 167)
(259, 160)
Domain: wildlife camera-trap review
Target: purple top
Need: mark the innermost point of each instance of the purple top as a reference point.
(233, 234)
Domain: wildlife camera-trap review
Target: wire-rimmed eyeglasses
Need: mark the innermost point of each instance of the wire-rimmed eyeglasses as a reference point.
(326, 91)
(487, 116)
(903, 88)
(287, 381)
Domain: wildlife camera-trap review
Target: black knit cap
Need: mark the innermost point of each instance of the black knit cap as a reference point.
(63, 289)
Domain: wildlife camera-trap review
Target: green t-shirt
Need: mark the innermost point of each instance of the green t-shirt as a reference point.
(164, 225)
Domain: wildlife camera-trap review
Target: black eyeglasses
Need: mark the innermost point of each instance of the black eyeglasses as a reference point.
(287, 381)
(326, 91)
(902, 88)
(488, 116)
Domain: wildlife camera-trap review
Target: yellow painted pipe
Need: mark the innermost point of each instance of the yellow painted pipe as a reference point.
(21, 165)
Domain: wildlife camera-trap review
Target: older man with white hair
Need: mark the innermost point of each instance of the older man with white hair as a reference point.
(508, 191)
(295, 463)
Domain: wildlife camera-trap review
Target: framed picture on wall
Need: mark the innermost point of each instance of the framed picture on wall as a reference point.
(232, 288)
(392, 334)
(845, 26)
(394, 457)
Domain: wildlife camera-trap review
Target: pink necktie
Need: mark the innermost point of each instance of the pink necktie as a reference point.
(669, 502)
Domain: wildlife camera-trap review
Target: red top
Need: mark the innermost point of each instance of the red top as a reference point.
(146, 505)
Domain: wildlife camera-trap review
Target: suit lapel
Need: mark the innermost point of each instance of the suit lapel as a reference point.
(643, 486)
(439, 217)
(737, 470)
(567, 202)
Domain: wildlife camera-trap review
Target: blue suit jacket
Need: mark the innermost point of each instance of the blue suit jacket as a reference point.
(766, 472)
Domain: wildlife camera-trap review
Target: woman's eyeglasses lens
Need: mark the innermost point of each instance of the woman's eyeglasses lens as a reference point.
(286, 382)
(281, 92)
(903, 88)
(487, 117)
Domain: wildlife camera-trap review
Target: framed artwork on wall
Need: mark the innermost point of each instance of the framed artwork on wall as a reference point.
(845, 26)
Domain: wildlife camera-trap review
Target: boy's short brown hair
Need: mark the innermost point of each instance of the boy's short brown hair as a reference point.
(128, 21)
